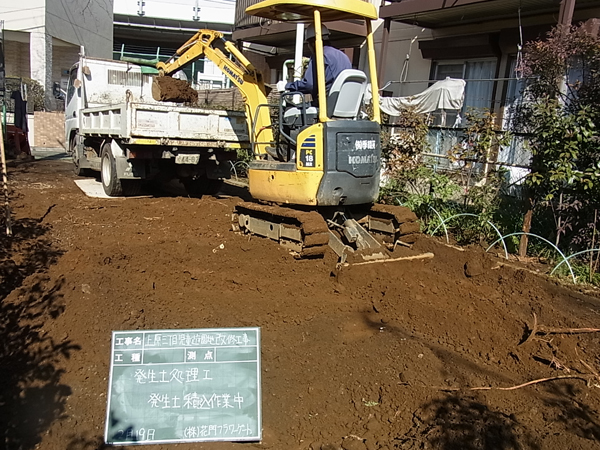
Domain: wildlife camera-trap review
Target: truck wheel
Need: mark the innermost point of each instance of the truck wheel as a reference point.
(214, 186)
(77, 169)
(131, 187)
(111, 184)
(197, 187)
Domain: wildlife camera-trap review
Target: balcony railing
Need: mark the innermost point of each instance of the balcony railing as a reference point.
(242, 19)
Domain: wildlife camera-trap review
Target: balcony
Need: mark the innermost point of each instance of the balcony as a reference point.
(436, 14)
(258, 30)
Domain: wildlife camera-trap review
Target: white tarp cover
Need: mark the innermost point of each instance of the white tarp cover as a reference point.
(447, 94)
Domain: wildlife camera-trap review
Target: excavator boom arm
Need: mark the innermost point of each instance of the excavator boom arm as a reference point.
(240, 71)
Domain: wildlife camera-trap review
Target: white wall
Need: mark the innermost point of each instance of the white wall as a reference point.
(88, 23)
(23, 15)
(400, 52)
(219, 11)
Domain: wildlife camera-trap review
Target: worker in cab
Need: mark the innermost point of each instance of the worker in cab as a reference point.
(335, 62)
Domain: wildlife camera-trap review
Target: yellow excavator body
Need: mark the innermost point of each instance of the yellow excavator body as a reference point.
(299, 183)
(314, 169)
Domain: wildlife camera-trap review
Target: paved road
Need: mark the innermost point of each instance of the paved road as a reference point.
(41, 153)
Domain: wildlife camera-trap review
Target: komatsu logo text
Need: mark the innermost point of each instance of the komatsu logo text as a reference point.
(233, 75)
(364, 159)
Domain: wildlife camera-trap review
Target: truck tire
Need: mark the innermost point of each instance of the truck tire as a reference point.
(131, 187)
(214, 186)
(197, 187)
(108, 173)
(77, 169)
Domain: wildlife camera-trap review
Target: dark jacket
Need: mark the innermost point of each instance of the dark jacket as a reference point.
(20, 111)
(335, 62)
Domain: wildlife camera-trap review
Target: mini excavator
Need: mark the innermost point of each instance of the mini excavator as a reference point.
(316, 171)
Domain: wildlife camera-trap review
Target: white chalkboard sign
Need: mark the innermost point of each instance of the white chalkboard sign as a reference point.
(169, 386)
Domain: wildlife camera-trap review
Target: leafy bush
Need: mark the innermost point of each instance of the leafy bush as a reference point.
(562, 112)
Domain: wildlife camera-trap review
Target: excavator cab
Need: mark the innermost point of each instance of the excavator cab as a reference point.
(344, 101)
(329, 156)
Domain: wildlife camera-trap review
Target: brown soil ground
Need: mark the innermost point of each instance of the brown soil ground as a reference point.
(367, 357)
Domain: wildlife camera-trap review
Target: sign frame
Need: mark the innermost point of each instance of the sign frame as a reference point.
(159, 360)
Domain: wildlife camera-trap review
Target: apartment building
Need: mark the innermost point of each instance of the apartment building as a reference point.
(42, 38)
(476, 40)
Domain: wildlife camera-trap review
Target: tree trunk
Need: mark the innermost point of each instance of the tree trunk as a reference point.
(559, 221)
(526, 226)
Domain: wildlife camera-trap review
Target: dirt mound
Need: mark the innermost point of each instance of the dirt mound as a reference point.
(168, 89)
(371, 357)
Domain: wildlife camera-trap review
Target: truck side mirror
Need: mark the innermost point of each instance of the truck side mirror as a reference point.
(86, 71)
(57, 91)
(77, 84)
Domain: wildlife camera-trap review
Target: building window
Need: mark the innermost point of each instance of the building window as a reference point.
(71, 83)
(479, 74)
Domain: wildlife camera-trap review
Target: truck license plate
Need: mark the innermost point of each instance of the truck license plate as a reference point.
(187, 159)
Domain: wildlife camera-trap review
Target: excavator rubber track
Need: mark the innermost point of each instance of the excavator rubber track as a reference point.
(397, 222)
(304, 232)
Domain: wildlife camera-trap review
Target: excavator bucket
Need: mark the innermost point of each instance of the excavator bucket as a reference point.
(169, 89)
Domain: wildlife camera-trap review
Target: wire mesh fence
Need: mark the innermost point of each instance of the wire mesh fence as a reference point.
(442, 152)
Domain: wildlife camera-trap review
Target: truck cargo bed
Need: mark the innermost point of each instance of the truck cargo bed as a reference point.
(144, 123)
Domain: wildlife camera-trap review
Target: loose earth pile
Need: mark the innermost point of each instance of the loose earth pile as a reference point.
(381, 356)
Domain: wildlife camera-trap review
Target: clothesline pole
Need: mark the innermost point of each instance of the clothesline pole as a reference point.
(5, 185)
(472, 80)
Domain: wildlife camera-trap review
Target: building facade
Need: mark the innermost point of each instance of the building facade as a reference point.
(42, 38)
(476, 40)
(479, 41)
(155, 29)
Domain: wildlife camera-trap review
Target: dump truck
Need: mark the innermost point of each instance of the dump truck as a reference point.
(114, 126)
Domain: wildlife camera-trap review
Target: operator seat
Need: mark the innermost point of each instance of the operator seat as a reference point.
(343, 102)
(346, 94)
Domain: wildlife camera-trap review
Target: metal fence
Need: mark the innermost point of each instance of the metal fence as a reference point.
(442, 153)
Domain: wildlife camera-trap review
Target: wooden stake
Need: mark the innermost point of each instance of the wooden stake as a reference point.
(5, 184)
(526, 224)
(404, 258)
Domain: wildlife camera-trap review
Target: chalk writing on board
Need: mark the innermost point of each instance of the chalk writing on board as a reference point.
(184, 386)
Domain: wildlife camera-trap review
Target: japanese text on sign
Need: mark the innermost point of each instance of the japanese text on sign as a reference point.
(184, 386)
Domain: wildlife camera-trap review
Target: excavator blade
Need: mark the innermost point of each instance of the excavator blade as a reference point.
(354, 229)
(169, 89)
